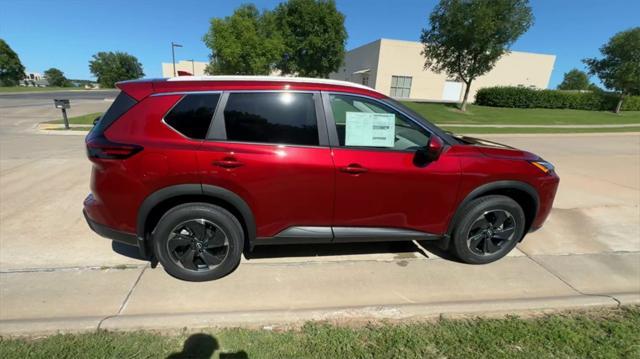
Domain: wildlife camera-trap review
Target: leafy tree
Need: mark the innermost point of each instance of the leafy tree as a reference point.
(11, 69)
(619, 68)
(111, 67)
(245, 43)
(467, 37)
(575, 80)
(314, 37)
(56, 77)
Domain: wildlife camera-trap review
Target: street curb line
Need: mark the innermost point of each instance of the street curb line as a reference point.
(292, 318)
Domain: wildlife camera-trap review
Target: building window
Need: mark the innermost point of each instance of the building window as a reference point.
(365, 80)
(400, 86)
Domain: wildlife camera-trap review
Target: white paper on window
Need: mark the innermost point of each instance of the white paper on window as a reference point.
(369, 129)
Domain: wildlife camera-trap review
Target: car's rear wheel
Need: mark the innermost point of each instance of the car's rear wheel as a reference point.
(489, 228)
(198, 242)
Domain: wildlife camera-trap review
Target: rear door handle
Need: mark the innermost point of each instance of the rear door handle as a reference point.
(228, 163)
(353, 169)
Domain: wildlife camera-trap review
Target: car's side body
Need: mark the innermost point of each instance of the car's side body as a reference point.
(284, 193)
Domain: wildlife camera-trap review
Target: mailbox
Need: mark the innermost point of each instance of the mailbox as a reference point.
(62, 104)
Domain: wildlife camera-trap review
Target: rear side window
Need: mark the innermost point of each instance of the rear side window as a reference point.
(272, 117)
(193, 114)
(121, 104)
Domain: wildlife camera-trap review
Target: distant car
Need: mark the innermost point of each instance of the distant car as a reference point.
(195, 170)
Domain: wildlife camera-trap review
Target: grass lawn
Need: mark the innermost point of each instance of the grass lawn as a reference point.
(443, 114)
(611, 333)
(11, 89)
(80, 120)
(489, 130)
(448, 113)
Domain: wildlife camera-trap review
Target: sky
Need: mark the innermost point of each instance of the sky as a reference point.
(66, 33)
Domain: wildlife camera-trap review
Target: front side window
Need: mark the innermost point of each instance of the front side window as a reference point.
(361, 122)
(401, 86)
(272, 117)
(193, 114)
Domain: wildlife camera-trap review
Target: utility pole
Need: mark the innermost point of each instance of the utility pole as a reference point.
(193, 68)
(173, 56)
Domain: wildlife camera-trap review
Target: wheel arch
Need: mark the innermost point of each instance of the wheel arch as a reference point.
(521, 192)
(157, 203)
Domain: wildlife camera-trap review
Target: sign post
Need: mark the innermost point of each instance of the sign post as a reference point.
(63, 105)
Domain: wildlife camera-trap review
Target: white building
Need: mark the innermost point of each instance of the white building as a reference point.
(34, 79)
(396, 68)
(186, 67)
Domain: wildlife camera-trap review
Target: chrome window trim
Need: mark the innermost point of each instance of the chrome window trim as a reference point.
(187, 92)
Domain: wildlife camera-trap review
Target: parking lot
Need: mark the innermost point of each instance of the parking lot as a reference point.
(588, 253)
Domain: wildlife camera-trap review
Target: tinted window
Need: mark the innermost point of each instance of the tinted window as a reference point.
(285, 118)
(193, 114)
(120, 105)
(368, 123)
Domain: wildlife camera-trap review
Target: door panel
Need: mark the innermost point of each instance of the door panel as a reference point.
(379, 186)
(394, 192)
(284, 185)
(270, 148)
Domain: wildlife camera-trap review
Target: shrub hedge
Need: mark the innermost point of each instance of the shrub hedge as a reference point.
(522, 97)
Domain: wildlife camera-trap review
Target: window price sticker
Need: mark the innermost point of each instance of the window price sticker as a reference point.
(370, 129)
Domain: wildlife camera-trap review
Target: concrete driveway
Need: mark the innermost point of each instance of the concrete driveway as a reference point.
(588, 253)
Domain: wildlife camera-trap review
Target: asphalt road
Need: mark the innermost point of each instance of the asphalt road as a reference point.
(50, 261)
(71, 95)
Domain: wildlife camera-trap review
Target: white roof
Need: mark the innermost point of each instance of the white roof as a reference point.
(271, 78)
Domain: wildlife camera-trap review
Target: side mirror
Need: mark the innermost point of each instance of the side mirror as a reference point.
(95, 120)
(434, 148)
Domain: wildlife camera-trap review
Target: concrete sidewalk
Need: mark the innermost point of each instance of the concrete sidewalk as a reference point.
(260, 293)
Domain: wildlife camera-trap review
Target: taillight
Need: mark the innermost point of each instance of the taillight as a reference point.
(100, 147)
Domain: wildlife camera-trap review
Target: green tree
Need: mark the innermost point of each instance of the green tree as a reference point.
(111, 67)
(466, 37)
(56, 77)
(619, 67)
(11, 69)
(314, 37)
(245, 43)
(575, 80)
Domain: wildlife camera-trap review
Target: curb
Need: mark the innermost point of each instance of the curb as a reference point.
(293, 318)
(568, 134)
(462, 125)
(47, 129)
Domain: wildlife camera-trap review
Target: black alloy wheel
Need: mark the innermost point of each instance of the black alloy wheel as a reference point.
(197, 245)
(491, 231)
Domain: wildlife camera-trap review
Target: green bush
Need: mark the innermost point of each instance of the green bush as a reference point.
(521, 97)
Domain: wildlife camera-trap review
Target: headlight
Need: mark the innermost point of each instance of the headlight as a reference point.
(543, 166)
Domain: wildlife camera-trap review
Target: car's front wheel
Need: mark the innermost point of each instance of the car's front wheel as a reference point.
(198, 241)
(489, 228)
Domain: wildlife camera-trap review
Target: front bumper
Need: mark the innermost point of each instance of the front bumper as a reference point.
(115, 235)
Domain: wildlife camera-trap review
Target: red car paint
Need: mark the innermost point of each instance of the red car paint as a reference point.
(287, 185)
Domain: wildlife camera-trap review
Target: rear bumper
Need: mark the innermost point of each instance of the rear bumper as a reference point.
(115, 235)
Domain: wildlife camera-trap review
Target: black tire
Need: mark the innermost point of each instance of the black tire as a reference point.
(477, 238)
(191, 238)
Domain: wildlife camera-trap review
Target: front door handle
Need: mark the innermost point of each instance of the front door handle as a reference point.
(228, 162)
(353, 169)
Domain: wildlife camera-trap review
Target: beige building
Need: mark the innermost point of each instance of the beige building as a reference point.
(194, 68)
(396, 68)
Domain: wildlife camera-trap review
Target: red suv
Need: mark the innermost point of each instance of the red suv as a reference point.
(194, 170)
